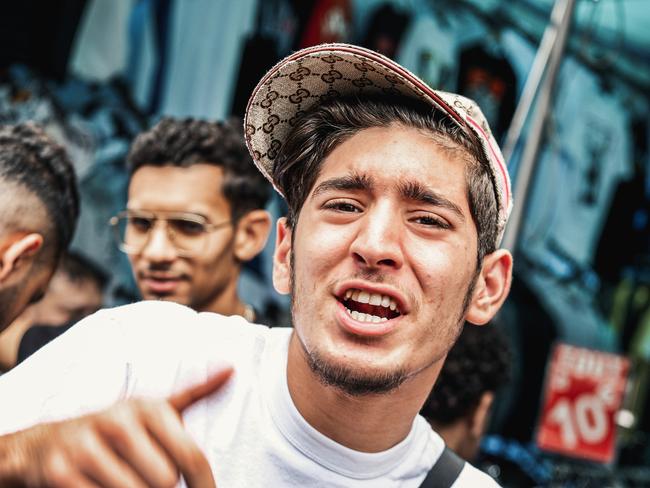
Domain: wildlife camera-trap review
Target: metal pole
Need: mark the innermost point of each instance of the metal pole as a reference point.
(561, 17)
(532, 82)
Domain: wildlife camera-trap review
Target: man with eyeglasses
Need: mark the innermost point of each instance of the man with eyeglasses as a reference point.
(195, 214)
(398, 197)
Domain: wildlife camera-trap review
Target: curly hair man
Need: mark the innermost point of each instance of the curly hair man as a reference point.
(195, 214)
(459, 405)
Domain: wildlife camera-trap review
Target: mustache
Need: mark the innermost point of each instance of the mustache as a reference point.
(374, 276)
(160, 272)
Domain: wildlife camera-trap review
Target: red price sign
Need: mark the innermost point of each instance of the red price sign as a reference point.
(584, 390)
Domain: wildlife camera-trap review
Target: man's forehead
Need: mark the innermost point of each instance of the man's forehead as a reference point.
(195, 189)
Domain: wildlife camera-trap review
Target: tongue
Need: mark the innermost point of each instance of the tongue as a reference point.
(369, 309)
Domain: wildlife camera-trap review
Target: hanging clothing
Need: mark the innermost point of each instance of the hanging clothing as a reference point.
(274, 34)
(625, 237)
(587, 154)
(431, 44)
(330, 21)
(181, 64)
(202, 63)
(489, 79)
(100, 49)
(386, 30)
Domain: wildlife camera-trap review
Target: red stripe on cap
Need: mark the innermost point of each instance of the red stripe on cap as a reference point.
(504, 174)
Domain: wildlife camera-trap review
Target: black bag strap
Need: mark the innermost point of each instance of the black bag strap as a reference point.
(445, 471)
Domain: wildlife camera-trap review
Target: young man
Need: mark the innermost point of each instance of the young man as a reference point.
(459, 406)
(195, 214)
(38, 214)
(397, 201)
(74, 292)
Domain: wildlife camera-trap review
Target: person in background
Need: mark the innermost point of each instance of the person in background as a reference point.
(75, 291)
(195, 214)
(458, 407)
(39, 207)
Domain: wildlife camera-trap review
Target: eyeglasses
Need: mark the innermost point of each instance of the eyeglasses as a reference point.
(188, 232)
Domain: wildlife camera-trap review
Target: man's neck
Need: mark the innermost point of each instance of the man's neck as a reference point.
(366, 423)
(10, 341)
(227, 303)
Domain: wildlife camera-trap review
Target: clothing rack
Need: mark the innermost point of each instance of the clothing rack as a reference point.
(609, 72)
(537, 97)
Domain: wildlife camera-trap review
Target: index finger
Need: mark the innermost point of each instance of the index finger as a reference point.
(184, 398)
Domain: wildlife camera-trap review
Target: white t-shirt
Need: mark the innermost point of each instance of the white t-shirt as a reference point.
(250, 430)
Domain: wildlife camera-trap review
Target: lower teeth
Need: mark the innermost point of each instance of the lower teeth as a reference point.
(364, 317)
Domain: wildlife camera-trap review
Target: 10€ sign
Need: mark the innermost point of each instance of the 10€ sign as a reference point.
(584, 390)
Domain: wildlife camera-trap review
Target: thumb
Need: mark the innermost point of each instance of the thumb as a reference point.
(184, 398)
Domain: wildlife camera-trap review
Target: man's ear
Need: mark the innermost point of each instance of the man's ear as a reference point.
(16, 251)
(492, 287)
(282, 258)
(251, 234)
(481, 414)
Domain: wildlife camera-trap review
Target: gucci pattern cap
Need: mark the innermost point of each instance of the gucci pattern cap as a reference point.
(313, 74)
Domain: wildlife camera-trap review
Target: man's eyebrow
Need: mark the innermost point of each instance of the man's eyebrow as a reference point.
(169, 214)
(417, 192)
(344, 183)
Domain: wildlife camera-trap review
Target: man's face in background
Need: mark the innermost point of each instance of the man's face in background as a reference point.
(67, 300)
(163, 270)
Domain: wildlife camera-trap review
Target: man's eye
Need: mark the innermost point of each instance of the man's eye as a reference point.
(141, 224)
(431, 221)
(187, 227)
(342, 207)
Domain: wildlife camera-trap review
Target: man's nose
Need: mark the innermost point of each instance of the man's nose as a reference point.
(159, 247)
(378, 243)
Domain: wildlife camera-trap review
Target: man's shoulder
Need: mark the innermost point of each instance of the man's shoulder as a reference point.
(164, 311)
(178, 324)
(160, 317)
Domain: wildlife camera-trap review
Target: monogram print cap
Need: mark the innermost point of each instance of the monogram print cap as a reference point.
(316, 73)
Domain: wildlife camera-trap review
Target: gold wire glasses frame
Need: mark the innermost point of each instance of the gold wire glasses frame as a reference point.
(186, 231)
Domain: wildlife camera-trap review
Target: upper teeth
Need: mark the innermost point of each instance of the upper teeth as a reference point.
(371, 298)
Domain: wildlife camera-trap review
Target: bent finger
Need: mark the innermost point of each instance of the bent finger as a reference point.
(166, 427)
(133, 442)
(99, 462)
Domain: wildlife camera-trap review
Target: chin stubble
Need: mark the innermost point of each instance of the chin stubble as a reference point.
(353, 382)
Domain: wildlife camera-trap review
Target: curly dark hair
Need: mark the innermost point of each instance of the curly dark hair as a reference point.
(479, 362)
(184, 142)
(29, 157)
(79, 268)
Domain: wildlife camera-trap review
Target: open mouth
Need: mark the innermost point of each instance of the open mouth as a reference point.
(369, 307)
